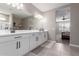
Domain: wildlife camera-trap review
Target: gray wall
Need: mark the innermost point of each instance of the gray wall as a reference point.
(51, 23)
(74, 39)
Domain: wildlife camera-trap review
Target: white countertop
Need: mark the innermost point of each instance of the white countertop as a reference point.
(5, 33)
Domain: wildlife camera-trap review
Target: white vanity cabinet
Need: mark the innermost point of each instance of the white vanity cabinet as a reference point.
(45, 36)
(8, 48)
(20, 44)
(41, 37)
(37, 39)
(32, 43)
(23, 47)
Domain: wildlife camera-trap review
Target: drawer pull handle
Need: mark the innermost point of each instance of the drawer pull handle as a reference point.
(16, 45)
(19, 44)
(37, 38)
(18, 37)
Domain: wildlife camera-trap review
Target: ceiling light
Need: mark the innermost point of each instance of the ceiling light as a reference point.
(14, 5)
(21, 5)
(38, 16)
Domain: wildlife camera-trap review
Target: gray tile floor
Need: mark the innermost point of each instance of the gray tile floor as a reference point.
(55, 49)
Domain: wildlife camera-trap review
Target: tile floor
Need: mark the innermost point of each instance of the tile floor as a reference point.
(50, 48)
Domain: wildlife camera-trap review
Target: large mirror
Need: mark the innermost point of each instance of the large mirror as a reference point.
(12, 15)
(5, 20)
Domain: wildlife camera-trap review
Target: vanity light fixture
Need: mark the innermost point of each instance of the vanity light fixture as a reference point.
(38, 16)
(3, 19)
(16, 5)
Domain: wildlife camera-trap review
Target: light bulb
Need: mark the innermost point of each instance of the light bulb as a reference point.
(21, 5)
(8, 3)
(16, 5)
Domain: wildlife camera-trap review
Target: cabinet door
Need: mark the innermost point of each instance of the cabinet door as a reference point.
(32, 41)
(23, 45)
(8, 49)
(42, 37)
(38, 38)
(45, 36)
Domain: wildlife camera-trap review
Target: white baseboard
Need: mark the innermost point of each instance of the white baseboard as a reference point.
(74, 45)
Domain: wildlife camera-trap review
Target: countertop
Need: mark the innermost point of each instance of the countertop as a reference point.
(7, 32)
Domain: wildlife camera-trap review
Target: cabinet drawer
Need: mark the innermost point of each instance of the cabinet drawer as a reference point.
(22, 36)
(13, 37)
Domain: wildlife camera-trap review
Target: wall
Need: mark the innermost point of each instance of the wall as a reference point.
(51, 23)
(74, 39)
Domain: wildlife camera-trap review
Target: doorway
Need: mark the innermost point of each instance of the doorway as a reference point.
(63, 25)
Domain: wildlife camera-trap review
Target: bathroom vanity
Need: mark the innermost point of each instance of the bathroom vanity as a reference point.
(20, 42)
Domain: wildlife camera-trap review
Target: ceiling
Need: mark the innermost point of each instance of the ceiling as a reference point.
(48, 6)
